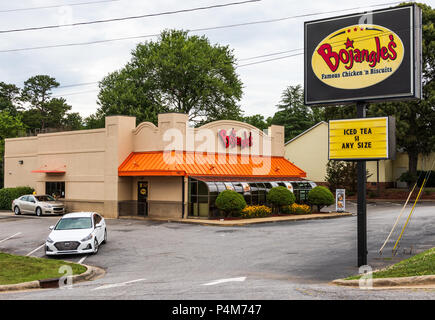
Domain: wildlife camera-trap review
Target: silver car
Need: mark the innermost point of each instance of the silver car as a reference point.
(39, 205)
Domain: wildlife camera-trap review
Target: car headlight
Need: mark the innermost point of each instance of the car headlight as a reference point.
(48, 206)
(49, 240)
(89, 237)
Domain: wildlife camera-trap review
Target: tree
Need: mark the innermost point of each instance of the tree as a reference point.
(343, 175)
(73, 121)
(10, 126)
(415, 120)
(258, 121)
(43, 111)
(230, 202)
(279, 197)
(9, 98)
(177, 73)
(320, 197)
(293, 114)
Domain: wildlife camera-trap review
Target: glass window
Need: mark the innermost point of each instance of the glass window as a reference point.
(194, 187)
(246, 187)
(55, 189)
(238, 187)
(74, 223)
(221, 186)
(212, 188)
(229, 186)
(45, 198)
(202, 189)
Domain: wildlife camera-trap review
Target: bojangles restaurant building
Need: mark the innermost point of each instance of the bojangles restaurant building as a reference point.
(170, 170)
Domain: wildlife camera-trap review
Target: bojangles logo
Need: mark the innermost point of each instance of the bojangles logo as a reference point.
(357, 56)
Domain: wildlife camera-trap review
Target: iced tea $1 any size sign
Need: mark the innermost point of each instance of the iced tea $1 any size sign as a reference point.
(362, 139)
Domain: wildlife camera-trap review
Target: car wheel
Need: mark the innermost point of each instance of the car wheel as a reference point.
(17, 211)
(38, 212)
(105, 236)
(95, 246)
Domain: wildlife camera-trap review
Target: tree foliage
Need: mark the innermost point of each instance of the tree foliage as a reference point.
(320, 197)
(230, 202)
(293, 114)
(279, 197)
(176, 73)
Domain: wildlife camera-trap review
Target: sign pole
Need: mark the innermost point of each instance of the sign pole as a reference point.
(362, 203)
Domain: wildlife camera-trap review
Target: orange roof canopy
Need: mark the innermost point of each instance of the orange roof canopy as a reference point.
(182, 163)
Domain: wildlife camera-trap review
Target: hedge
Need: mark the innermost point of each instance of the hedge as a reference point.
(230, 202)
(7, 195)
(280, 196)
(321, 197)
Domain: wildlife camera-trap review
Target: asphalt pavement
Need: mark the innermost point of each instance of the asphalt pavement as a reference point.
(285, 260)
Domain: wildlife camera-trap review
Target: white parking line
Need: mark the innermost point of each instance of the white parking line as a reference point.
(10, 237)
(82, 259)
(32, 252)
(241, 279)
(108, 286)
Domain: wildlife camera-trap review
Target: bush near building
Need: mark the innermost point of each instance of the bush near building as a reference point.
(279, 197)
(230, 202)
(7, 195)
(320, 197)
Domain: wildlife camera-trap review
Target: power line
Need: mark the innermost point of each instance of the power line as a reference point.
(189, 30)
(130, 17)
(58, 6)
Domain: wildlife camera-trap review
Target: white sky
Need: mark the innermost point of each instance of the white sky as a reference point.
(263, 83)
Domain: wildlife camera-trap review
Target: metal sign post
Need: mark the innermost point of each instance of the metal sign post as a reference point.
(362, 203)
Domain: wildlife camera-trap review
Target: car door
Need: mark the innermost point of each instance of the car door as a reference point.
(99, 232)
(31, 204)
(24, 204)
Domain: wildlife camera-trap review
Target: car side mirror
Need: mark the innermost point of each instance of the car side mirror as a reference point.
(51, 227)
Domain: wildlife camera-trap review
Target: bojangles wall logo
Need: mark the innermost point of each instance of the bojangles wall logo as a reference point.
(357, 56)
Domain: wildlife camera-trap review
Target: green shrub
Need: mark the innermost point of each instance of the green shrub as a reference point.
(321, 197)
(7, 195)
(230, 202)
(280, 196)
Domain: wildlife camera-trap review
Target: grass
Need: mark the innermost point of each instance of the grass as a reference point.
(422, 264)
(16, 269)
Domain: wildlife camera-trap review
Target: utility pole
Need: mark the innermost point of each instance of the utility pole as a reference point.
(362, 202)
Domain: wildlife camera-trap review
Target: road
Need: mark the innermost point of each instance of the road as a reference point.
(286, 260)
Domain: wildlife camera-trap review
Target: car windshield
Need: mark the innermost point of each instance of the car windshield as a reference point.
(45, 198)
(74, 223)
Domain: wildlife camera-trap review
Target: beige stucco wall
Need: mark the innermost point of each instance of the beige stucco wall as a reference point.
(310, 152)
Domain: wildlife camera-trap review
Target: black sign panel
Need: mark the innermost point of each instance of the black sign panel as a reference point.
(364, 57)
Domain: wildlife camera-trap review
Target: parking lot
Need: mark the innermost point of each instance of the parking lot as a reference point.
(286, 260)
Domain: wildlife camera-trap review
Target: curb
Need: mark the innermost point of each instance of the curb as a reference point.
(245, 222)
(391, 282)
(91, 273)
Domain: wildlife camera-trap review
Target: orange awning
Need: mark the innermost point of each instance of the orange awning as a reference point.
(199, 164)
(49, 171)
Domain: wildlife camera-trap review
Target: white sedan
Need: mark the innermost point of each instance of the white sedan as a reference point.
(76, 233)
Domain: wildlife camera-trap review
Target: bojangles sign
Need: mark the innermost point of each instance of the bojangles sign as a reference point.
(370, 57)
(231, 139)
(357, 56)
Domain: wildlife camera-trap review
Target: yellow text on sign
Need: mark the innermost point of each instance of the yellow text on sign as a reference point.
(358, 139)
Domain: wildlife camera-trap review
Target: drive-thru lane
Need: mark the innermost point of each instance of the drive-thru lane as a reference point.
(287, 260)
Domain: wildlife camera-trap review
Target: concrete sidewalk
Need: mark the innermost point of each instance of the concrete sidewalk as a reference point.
(243, 222)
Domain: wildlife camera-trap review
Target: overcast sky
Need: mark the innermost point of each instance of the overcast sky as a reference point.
(263, 83)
